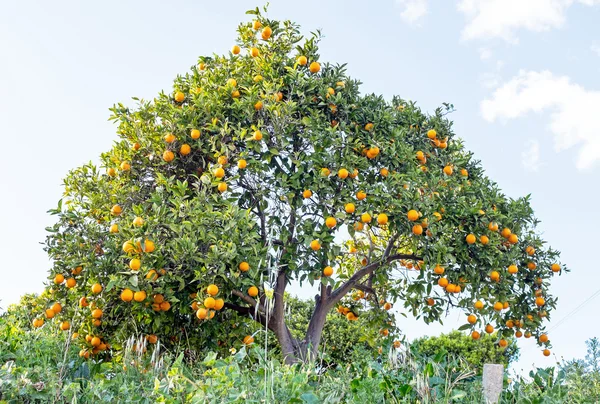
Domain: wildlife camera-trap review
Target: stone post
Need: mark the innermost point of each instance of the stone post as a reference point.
(493, 380)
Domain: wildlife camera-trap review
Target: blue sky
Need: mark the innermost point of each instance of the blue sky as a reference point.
(524, 79)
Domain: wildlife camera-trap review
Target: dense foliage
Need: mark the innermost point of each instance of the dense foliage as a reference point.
(245, 177)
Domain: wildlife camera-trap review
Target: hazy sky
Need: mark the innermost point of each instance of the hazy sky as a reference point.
(523, 75)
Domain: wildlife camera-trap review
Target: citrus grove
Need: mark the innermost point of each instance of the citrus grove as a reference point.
(267, 166)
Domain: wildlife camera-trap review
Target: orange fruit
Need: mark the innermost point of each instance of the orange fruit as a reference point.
(365, 218)
(127, 295)
(513, 239)
(96, 288)
(448, 170)
(168, 156)
(185, 149)
(212, 290)
(478, 305)
(512, 269)
(417, 229)
(471, 319)
(222, 187)
(360, 195)
(555, 268)
(315, 245)
(111, 172)
(546, 352)
(235, 49)
(179, 96)
(254, 52)
(430, 302)
(498, 306)
(266, 33)
(493, 226)
(384, 172)
(257, 135)
(506, 232)
(135, 264)
(475, 335)
(116, 210)
(302, 60)
(443, 282)
(50, 313)
(439, 270)
(195, 134)
(431, 133)
(530, 250)
(201, 313)
(248, 339)
(387, 306)
(253, 291)
(209, 302)
(543, 338)
(349, 208)
(219, 172)
(219, 303)
(152, 275)
(531, 265)
(330, 222)
(369, 126)
(451, 288)
(139, 296)
(125, 166)
(244, 266)
(170, 138)
(495, 276)
(314, 67)
(540, 301)
(138, 222)
(59, 278)
(489, 328)
(96, 313)
(114, 228)
(465, 173)
(484, 240)
(83, 302)
(71, 282)
(412, 215)
(64, 326)
(153, 339)
(382, 219)
(470, 239)
(95, 341)
(242, 164)
(328, 271)
(343, 173)
(307, 193)
(256, 25)
(503, 343)
(165, 306)
(359, 226)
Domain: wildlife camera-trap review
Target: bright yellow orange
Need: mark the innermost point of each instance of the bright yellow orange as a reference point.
(127, 295)
(302, 60)
(96, 313)
(470, 239)
(382, 219)
(71, 282)
(314, 67)
(244, 266)
(361, 195)
(59, 278)
(179, 96)
(139, 296)
(365, 218)
(478, 305)
(412, 215)
(219, 303)
(555, 267)
(135, 264)
(417, 229)
(543, 338)
(252, 291)
(484, 240)
(125, 166)
(489, 328)
(439, 270)
(266, 33)
(343, 173)
(330, 222)
(471, 319)
(168, 156)
(256, 25)
(254, 52)
(475, 335)
(201, 313)
(448, 170)
(327, 271)
(222, 187)
(369, 126)
(209, 302)
(212, 290)
(116, 210)
(257, 135)
(512, 269)
(431, 133)
(96, 288)
(185, 149)
(195, 134)
(315, 245)
(349, 208)
(248, 340)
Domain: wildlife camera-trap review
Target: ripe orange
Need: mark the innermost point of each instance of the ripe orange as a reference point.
(96, 313)
(430, 302)
(387, 306)
(135, 264)
(254, 52)
(365, 218)
(443, 282)
(153, 339)
(111, 172)
(114, 228)
(248, 339)
(256, 25)
(222, 187)
(59, 278)
(165, 306)
(382, 219)
(478, 305)
(513, 239)
(266, 33)
(360, 195)
(540, 301)
(212, 290)
(235, 49)
(219, 303)
(302, 60)
(493, 226)
(116, 210)
(170, 138)
(195, 134)
(349, 208)
(484, 240)
(470, 239)
(475, 335)
(201, 313)
(185, 149)
(314, 67)
(330, 222)
(244, 266)
(503, 343)
(431, 133)
(369, 126)
(384, 172)
(498, 306)
(315, 245)
(489, 328)
(417, 229)
(253, 291)
(71, 282)
(448, 170)
(127, 295)
(83, 302)
(139, 296)
(439, 270)
(257, 135)
(96, 288)
(138, 222)
(50, 313)
(209, 302)
(307, 193)
(95, 341)
(125, 166)
(168, 156)
(495, 276)
(464, 173)
(343, 173)
(471, 319)
(543, 338)
(506, 232)
(512, 269)
(546, 352)
(555, 268)
(64, 326)
(412, 215)
(179, 96)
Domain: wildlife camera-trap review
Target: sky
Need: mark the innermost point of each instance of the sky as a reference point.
(523, 76)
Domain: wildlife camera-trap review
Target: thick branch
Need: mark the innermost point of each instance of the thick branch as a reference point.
(247, 299)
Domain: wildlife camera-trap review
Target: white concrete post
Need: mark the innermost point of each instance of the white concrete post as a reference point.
(493, 380)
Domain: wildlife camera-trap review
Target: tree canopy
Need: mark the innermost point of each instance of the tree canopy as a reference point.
(267, 166)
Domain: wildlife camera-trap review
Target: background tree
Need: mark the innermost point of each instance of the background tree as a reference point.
(476, 353)
(250, 175)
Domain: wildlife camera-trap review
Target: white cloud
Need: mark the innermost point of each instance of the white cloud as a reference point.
(595, 48)
(574, 119)
(530, 157)
(412, 10)
(485, 53)
(502, 18)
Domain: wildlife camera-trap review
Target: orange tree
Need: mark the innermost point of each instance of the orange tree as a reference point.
(267, 166)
